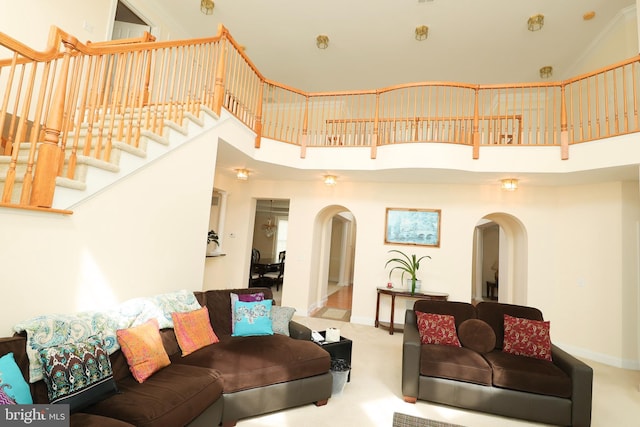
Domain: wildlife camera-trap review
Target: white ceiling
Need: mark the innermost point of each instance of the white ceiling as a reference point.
(372, 45)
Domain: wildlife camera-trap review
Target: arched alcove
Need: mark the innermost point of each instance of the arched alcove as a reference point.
(332, 251)
(512, 258)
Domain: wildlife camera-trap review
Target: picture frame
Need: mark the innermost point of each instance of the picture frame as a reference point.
(419, 227)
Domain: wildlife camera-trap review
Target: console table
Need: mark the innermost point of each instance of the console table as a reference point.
(402, 293)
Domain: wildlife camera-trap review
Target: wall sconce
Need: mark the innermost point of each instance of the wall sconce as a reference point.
(422, 32)
(546, 72)
(535, 22)
(206, 6)
(510, 184)
(322, 41)
(242, 174)
(330, 180)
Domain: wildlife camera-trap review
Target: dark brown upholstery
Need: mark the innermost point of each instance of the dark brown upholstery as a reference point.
(477, 335)
(461, 311)
(250, 362)
(167, 398)
(528, 374)
(493, 313)
(80, 419)
(455, 363)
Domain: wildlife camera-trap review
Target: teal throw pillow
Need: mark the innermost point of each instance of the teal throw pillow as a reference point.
(12, 382)
(252, 318)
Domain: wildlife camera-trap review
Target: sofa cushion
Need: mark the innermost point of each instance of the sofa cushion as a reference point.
(477, 335)
(142, 346)
(78, 374)
(193, 330)
(173, 396)
(80, 419)
(525, 337)
(455, 363)
(219, 304)
(528, 374)
(280, 318)
(250, 362)
(252, 318)
(12, 381)
(493, 313)
(461, 311)
(437, 329)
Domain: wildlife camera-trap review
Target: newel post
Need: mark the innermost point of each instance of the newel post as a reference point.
(564, 130)
(305, 129)
(258, 128)
(476, 125)
(376, 122)
(218, 90)
(49, 152)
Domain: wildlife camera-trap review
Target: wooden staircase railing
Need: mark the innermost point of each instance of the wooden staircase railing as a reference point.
(76, 100)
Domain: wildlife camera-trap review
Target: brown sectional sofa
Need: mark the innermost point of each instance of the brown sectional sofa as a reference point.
(221, 383)
(490, 380)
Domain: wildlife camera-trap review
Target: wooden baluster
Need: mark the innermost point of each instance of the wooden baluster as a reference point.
(21, 134)
(305, 129)
(258, 127)
(564, 134)
(218, 94)
(376, 124)
(49, 153)
(476, 121)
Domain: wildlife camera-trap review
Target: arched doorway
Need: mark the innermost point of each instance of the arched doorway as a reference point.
(334, 244)
(500, 253)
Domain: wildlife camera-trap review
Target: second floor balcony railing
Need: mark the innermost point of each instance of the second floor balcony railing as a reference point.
(76, 101)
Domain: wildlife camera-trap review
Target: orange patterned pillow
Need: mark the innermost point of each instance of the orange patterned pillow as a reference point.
(143, 349)
(193, 330)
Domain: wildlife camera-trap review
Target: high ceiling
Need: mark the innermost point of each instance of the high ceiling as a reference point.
(372, 42)
(372, 45)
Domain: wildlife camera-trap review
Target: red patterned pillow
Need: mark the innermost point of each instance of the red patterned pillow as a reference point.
(527, 337)
(437, 329)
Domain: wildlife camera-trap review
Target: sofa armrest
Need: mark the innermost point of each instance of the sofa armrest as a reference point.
(411, 346)
(299, 331)
(581, 376)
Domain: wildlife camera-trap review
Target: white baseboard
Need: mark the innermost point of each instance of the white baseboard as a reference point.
(600, 357)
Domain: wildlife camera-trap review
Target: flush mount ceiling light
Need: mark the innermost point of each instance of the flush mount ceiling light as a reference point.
(422, 32)
(546, 72)
(535, 22)
(510, 184)
(242, 174)
(322, 41)
(330, 180)
(206, 6)
(589, 15)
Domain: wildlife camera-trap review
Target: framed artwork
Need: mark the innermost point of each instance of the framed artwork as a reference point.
(412, 227)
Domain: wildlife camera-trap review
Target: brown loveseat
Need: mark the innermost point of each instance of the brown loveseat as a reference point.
(481, 377)
(235, 378)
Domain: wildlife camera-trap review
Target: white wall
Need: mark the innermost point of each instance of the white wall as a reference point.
(143, 236)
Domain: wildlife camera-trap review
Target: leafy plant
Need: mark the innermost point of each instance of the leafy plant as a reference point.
(407, 264)
(212, 236)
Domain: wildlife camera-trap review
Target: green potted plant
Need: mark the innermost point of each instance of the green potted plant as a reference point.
(407, 264)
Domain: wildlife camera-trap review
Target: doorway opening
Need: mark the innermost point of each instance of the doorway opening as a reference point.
(500, 260)
(128, 23)
(337, 234)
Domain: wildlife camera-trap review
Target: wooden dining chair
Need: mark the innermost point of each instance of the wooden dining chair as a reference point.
(275, 277)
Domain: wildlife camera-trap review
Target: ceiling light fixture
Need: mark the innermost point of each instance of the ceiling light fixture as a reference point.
(242, 174)
(206, 6)
(510, 184)
(269, 228)
(322, 41)
(330, 180)
(422, 32)
(546, 72)
(589, 15)
(535, 22)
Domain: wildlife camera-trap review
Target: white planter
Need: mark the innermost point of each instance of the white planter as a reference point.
(418, 284)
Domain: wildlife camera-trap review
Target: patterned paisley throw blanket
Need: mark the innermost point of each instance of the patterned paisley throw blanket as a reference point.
(57, 329)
